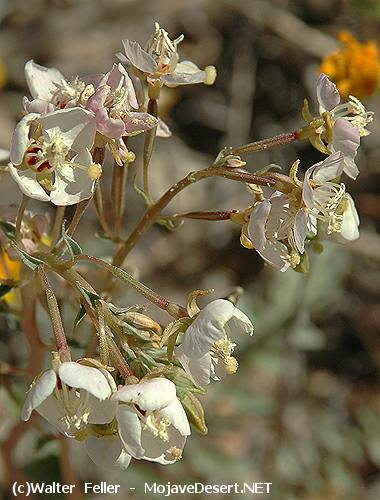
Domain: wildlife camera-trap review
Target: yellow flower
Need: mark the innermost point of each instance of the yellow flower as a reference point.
(355, 67)
(9, 270)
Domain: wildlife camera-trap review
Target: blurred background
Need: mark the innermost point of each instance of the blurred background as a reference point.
(303, 411)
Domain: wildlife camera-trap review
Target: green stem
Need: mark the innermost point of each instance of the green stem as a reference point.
(150, 137)
(20, 215)
(173, 309)
(57, 226)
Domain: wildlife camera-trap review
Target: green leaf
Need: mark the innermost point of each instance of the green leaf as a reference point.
(9, 229)
(28, 260)
(182, 381)
(140, 191)
(81, 314)
(195, 412)
(4, 289)
(89, 297)
(71, 244)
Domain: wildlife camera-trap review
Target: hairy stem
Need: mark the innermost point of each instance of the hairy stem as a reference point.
(20, 215)
(150, 137)
(154, 211)
(272, 142)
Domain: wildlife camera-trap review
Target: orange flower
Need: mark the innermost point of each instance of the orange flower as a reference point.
(355, 67)
(9, 270)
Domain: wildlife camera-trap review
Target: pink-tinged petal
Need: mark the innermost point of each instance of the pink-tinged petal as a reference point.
(97, 99)
(107, 452)
(300, 230)
(26, 179)
(276, 254)
(135, 123)
(77, 125)
(41, 80)
(38, 106)
(256, 225)
(330, 168)
(85, 377)
(327, 94)
(117, 75)
(130, 430)
(307, 191)
(346, 138)
(114, 128)
(20, 138)
(41, 390)
(151, 395)
(138, 57)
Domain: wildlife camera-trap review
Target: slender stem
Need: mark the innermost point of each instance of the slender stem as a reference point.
(79, 211)
(100, 205)
(119, 360)
(68, 474)
(150, 137)
(56, 229)
(30, 328)
(118, 195)
(148, 293)
(20, 215)
(212, 216)
(272, 142)
(55, 316)
(154, 211)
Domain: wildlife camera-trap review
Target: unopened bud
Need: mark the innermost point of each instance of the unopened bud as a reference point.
(235, 163)
(142, 321)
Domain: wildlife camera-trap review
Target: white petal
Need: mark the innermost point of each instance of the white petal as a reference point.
(153, 394)
(157, 450)
(239, 323)
(107, 451)
(85, 377)
(330, 168)
(42, 389)
(350, 224)
(199, 368)
(77, 125)
(300, 230)
(102, 412)
(346, 139)
(276, 254)
(327, 94)
(72, 185)
(26, 179)
(177, 417)
(41, 80)
(20, 138)
(138, 57)
(130, 430)
(186, 72)
(256, 225)
(162, 129)
(207, 328)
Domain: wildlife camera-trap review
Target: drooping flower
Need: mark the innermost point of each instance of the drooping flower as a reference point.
(344, 124)
(160, 61)
(354, 67)
(50, 157)
(152, 424)
(206, 349)
(71, 396)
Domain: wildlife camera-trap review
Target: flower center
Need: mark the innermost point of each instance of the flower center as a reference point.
(355, 112)
(157, 426)
(222, 349)
(163, 49)
(75, 406)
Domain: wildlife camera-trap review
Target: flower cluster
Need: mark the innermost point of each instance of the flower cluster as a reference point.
(318, 208)
(137, 396)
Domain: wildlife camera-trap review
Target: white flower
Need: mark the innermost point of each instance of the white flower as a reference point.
(50, 156)
(152, 423)
(71, 397)
(160, 61)
(270, 223)
(205, 352)
(349, 121)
